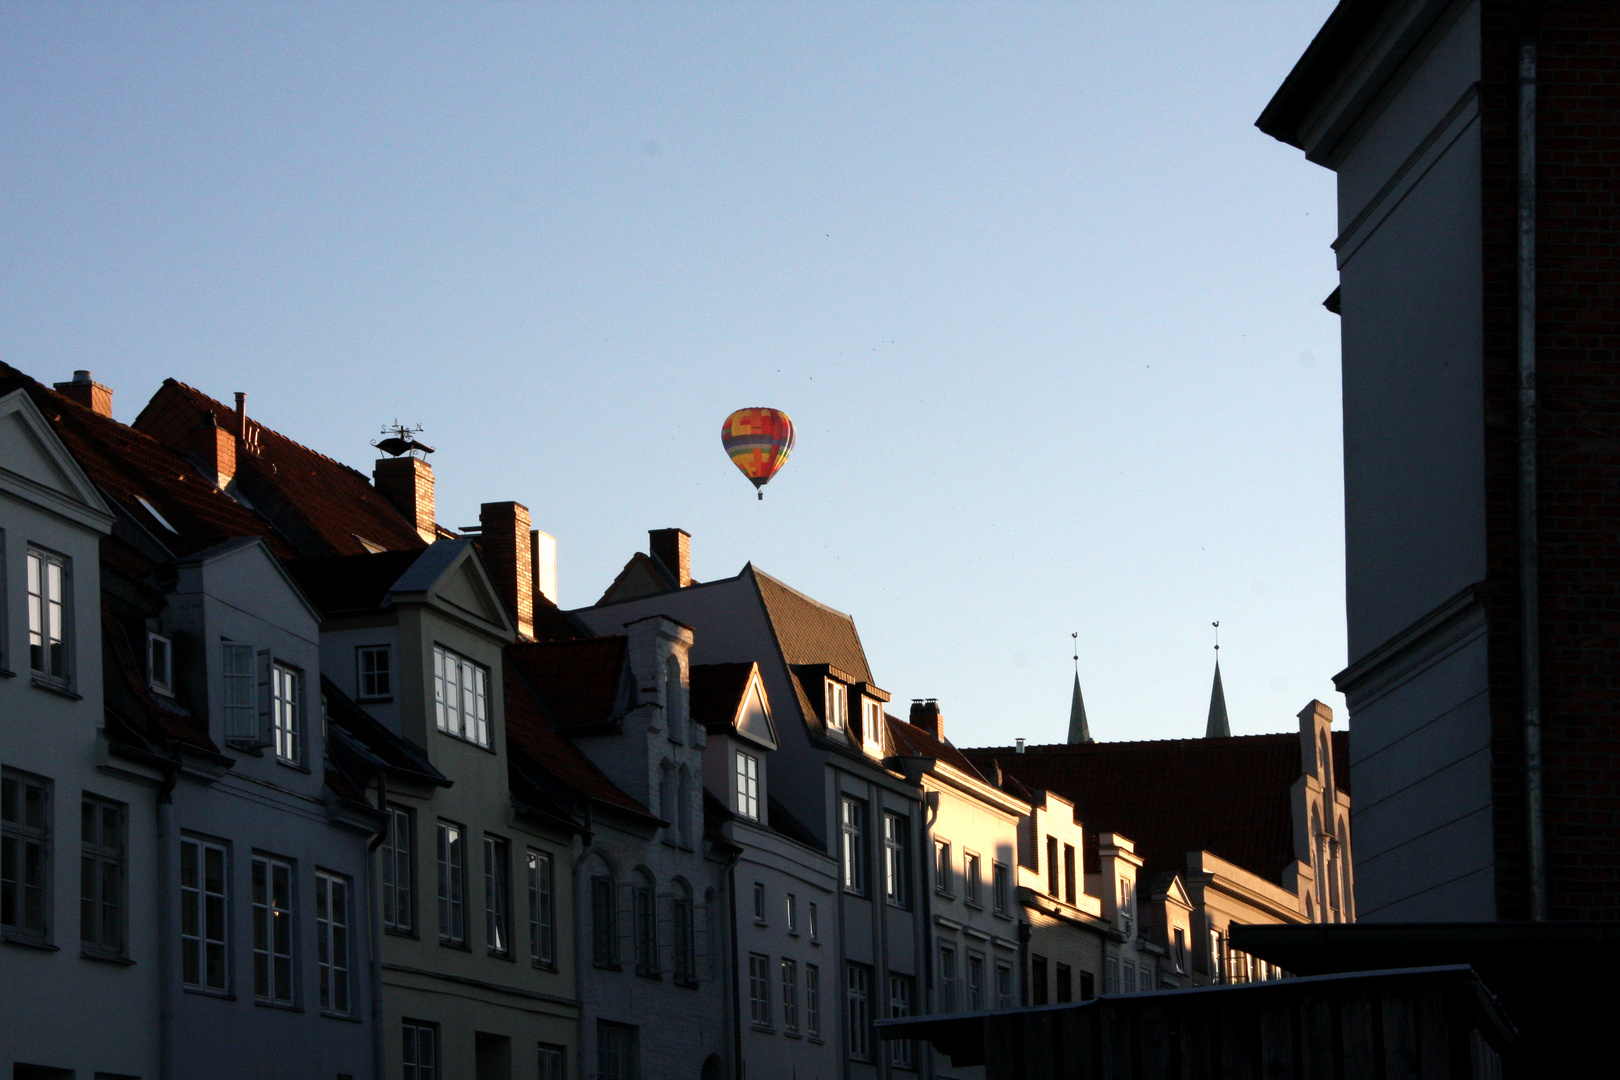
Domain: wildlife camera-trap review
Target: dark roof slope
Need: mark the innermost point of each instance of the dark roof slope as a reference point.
(530, 731)
(338, 504)
(351, 582)
(128, 467)
(1318, 67)
(909, 740)
(1229, 796)
(578, 680)
(716, 693)
(810, 632)
(395, 752)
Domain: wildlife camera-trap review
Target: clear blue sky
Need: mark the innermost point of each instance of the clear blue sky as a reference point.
(1043, 304)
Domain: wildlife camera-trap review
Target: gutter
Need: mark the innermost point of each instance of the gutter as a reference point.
(1529, 544)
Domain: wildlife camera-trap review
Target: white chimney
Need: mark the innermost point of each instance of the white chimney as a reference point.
(543, 550)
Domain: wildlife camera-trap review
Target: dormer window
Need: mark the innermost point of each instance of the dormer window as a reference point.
(837, 705)
(159, 664)
(872, 725)
(376, 672)
(461, 697)
(1127, 906)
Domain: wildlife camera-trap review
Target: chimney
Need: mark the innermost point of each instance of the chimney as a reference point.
(215, 448)
(925, 715)
(87, 392)
(407, 482)
(673, 548)
(543, 557)
(508, 542)
(1020, 746)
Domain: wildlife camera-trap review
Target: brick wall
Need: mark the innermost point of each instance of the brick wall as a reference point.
(1579, 441)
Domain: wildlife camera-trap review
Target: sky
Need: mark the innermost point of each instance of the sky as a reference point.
(1043, 304)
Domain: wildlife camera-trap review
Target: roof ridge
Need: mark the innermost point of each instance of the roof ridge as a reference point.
(1098, 744)
(212, 404)
(802, 596)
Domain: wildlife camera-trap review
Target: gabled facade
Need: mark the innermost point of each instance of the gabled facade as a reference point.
(1067, 937)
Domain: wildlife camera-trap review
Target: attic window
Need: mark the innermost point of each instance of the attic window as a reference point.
(159, 663)
(872, 725)
(161, 520)
(837, 705)
(371, 548)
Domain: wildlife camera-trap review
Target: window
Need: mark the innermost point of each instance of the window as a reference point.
(159, 663)
(241, 697)
(542, 910)
(759, 989)
(272, 931)
(1217, 957)
(901, 1051)
(975, 979)
(553, 1062)
(1127, 905)
(47, 618)
(421, 1054)
(332, 940)
(1068, 874)
(1111, 976)
(1144, 979)
(497, 896)
(674, 700)
(815, 924)
(452, 884)
(858, 1007)
(682, 925)
(285, 722)
(1127, 984)
(461, 696)
(1002, 894)
(1051, 866)
(872, 725)
(1004, 985)
(203, 922)
(942, 867)
(1037, 980)
(748, 786)
(1178, 955)
(1088, 986)
(792, 914)
(618, 1052)
(1065, 983)
(759, 903)
(644, 906)
(812, 1000)
(375, 670)
(25, 853)
(970, 878)
(949, 993)
(101, 876)
(853, 824)
(398, 881)
(837, 705)
(604, 922)
(896, 829)
(790, 995)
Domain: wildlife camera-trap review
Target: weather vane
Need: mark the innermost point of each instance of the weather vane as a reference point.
(400, 440)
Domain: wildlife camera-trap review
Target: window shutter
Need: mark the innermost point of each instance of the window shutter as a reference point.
(263, 735)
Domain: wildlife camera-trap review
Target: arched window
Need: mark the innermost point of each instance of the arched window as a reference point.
(683, 932)
(1319, 860)
(674, 700)
(667, 800)
(604, 914)
(1327, 765)
(684, 809)
(644, 909)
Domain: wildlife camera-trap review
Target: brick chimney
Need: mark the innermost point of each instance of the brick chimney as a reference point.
(673, 548)
(87, 392)
(925, 715)
(407, 482)
(215, 448)
(508, 553)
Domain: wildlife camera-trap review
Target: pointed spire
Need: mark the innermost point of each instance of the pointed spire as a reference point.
(1217, 728)
(1079, 730)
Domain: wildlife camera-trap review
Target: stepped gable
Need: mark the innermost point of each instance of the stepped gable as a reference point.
(182, 512)
(909, 740)
(336, 503)
(1230, 797)
(531, 732)
(344, 583)
(579, 681)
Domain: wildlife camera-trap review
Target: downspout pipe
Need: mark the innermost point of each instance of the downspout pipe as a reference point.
(378, 1055)
(168, 933)
(1529, 542)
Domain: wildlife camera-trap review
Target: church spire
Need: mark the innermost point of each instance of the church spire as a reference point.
(1079, 730)
(1217, 728)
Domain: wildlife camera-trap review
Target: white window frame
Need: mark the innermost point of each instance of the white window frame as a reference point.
(815, 924)
(872, 725)
(333, 943)
(287, 713)
(371, 681)
(452, 864)
(241, 697)
(398, 872)
(1004, 985)
(497, 895)
(461, 699)
(27, 881)
(759, 990)
(942, 866)
(792, 915)
(971, 869)
(209, 913)
(812, 1001)
(902, 1003)
(949, 990)
(542, 910)
(975, 981)
(747, 785)
(896, 859)
(789, 969)
(759, 904)
(837, 705)
(50, 611)
(854, 823)
(858, 1009)
(553, 1061)
(159, 663)
(1000, 879)
(421, 1049)
(274, 885)
(1127, 906)
(103, 877)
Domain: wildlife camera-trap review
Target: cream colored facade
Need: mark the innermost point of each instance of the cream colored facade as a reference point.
(1067, 934)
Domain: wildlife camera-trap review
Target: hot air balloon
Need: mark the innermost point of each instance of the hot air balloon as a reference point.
(759, 442)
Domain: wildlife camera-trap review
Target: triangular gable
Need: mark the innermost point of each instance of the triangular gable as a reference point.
(754, 713)
(36, 468)
(243, 546)
(453, 579)
(1175, 892)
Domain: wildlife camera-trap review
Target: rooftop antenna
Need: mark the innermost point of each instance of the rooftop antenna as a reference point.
(400, 440)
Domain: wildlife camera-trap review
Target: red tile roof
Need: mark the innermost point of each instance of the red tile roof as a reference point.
(909, 740)
(140, 475)
(1228, 796)
(578, 680)
(161, 721)
(336, 503)
(529, 730)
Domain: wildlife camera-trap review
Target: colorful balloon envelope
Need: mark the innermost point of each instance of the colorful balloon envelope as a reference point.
(759, 442)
